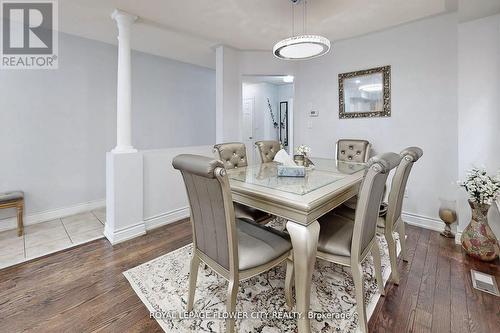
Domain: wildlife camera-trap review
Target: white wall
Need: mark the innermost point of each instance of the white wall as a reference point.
(173, 103)
(228, 95)
(423, 59)
(423, 56)
(165, 198)
(57, 125)
(263, 123)
(285, 92)
(231, 66)
(479, 104)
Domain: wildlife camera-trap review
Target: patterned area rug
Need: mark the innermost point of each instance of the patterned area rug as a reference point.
(162, 284)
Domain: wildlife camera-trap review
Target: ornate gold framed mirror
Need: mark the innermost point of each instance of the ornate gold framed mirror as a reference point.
(365, 93)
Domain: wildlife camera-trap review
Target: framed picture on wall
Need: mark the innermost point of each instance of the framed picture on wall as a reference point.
(283, 131)
(365, 93)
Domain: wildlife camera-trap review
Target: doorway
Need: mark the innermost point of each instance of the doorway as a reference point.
(267, 111)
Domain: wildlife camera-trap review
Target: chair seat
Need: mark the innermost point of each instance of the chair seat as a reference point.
(335, 235)
(351, 203)
(350, 214)
(345, 211)
(10, 196)
(249, 214)
(259, 244)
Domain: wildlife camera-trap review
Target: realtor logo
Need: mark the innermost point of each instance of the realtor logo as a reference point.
(29, 34)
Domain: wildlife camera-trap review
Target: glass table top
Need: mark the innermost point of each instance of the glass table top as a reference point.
(324, 172)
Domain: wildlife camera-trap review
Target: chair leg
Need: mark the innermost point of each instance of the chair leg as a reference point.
(357, 276)
(402, 240)
(377, 263)
(20, 224)
(393, 257)
(232, 292)
(289, 283)
(193, 276)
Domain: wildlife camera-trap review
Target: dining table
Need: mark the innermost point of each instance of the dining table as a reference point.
(301, 201)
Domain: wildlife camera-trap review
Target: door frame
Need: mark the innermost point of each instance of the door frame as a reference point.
(250, 150)
(291, 106)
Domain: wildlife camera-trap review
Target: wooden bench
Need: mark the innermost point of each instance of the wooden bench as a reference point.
(14, 199)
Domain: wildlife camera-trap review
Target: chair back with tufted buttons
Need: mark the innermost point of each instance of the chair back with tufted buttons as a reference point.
(267, 150)
(352, 150)
(232, 154)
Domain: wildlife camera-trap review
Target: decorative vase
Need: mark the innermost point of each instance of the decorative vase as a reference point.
(448, 215)
(306, 161)
(299, 159)
(478, 239)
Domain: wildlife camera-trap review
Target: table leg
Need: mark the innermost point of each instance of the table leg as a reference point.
(305, 243)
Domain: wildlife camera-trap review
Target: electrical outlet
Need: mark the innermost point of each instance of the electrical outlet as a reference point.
(406, 193)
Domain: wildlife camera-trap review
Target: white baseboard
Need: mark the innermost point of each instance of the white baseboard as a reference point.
(423, 221)
(11, 222)
(141, 228)
(166, 218)
(125, 234)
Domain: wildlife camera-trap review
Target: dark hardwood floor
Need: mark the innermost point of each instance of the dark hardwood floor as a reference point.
(83, 289)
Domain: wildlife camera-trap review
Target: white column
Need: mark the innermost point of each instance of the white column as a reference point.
(124, 164)
(124, 197)
(219, 94)
(124, 22)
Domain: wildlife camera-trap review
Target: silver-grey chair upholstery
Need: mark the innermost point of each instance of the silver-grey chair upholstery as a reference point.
(235, 249)
(336, 237)
(392, 221)
(234, 155)
(250, 214)
(353, 150)
(343, 242)
(258, 246)
(350, 214)
(267, 150)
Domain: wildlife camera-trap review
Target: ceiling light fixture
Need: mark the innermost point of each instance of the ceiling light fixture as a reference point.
(304, 46)
(288, 79)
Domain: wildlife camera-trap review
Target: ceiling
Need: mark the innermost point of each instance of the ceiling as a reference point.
(188, 30)
(472, 10)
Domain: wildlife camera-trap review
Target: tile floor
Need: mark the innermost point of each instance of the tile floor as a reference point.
(51, 236)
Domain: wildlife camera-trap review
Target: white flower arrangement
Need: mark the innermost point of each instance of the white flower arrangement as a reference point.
(480, 187)
(303, 150)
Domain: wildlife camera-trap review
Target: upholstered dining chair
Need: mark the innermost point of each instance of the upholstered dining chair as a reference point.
(392, 221)
(346, 243)
(267, 150)
(235, 249)
(234, 155)
(353, 150)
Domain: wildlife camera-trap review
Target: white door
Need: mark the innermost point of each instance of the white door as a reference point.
(248, 132)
